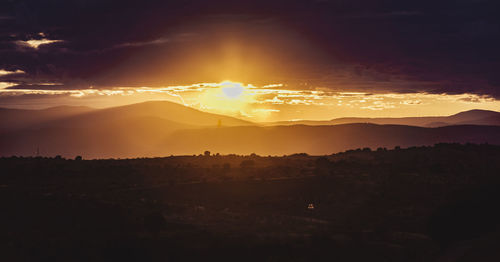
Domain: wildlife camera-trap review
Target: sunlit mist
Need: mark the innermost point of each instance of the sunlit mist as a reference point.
(271, 102)
(227, 98)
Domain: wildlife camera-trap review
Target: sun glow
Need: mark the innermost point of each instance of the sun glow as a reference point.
(227, 97)
(271, 102)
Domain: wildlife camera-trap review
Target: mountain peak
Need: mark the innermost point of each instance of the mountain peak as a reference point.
(474, 114)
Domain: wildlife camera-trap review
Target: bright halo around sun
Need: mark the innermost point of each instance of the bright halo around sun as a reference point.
(227, 97)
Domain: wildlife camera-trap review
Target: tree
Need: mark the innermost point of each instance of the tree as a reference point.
(206, 153)
(78, 158)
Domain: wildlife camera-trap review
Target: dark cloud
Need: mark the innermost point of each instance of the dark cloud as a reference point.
(385, 45)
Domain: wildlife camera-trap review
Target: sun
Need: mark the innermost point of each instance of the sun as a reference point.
(232, 90)
(227, 97)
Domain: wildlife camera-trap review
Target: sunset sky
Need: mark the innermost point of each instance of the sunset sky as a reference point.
(258, 60)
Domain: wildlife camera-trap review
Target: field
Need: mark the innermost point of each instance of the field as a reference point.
(436, 203)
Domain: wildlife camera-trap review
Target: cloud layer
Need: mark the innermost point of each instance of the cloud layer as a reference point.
(362, 46)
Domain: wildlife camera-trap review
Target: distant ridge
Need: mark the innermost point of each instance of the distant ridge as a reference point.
(319, 140)
(471, 117)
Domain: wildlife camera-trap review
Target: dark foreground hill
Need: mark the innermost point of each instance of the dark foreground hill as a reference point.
(435, 203)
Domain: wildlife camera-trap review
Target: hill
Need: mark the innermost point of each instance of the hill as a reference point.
(160, 139)
(161, 128)
(131, 130)
(433, 203)
(157, 109)
(319, 140)
(471, 117)
(13, 119)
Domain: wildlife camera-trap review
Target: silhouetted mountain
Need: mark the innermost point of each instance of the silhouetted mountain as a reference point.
(472, 117)
(320, 140)
(164, 128)
(172, 112)
(130, 130)
(159, 139)
(13, 119)
(78, 116)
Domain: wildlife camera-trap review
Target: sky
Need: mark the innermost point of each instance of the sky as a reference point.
(258, 60)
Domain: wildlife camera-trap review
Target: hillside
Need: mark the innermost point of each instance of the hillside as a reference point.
(162, 139)
(157, 109)
(131, 130)
(419, 204)
(161, 128)
(471, 117)
(13, 119)
(319, 140)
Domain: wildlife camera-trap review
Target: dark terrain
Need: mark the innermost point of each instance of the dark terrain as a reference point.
(435, 203)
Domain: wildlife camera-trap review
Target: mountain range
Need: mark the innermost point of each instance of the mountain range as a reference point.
(471, 117)
(160, 128)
